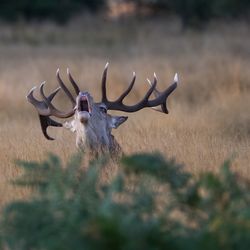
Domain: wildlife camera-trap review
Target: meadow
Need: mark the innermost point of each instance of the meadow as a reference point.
(209, 117)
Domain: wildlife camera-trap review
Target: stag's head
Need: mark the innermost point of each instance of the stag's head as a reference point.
(88, 112)
(92, 123)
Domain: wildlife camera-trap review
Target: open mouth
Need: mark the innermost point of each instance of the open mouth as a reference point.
(83, 104)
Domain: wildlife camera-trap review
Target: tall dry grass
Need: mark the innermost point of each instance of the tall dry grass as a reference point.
(209, 117)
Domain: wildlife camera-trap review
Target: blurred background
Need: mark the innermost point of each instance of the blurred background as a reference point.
(206, 42)
(190, 12)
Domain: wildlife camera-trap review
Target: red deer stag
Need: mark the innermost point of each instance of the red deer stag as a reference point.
(92, 124)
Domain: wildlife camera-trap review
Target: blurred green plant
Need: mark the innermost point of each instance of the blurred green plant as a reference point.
(150, 203)
(192, 13)
(57, 10)
(196, 13)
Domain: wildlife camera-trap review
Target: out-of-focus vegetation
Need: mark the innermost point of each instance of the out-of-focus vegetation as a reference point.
(57, 10)
(148, 203)
(191, 12)
(198, 12)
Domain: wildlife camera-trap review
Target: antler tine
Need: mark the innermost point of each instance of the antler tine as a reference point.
(142, 104)
(65, 89)
(40, 106)
(45, 122)
(160, 97)
(151, 90)
(30, 97)
(46, 109)
(51, 109)
(157, 93)
(127, 91)
(176, 78)
(104, 82)
(77, 90)
(52, 95)
(43, 111)
(118, 105)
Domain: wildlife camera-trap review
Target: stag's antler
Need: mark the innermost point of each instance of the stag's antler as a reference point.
(43, 111)
(45, 108)
(160, 97)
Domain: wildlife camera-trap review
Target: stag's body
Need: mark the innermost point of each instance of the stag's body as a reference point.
(91, 123)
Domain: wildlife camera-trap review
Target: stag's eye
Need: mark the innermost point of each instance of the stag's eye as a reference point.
(103, 109)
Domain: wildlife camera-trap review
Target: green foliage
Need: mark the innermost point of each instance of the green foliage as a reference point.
(198, 12)
(150, 203)
(191, 12)
(58, 10)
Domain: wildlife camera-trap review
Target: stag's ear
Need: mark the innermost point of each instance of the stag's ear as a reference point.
(116, 121)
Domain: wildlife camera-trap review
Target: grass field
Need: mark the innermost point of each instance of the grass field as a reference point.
(209, 118)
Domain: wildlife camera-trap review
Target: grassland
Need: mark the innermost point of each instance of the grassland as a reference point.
(209, 118)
